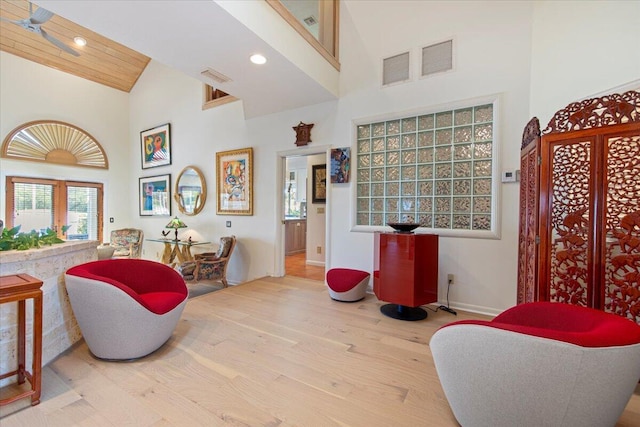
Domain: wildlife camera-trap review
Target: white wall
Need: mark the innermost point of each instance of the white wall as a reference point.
(491, 56)
(316, 217)
(581, 50)
(163, 96)
(30, 91)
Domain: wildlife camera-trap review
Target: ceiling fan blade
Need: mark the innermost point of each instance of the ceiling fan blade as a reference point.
(58, 43)
(40, 16)
(2, 18)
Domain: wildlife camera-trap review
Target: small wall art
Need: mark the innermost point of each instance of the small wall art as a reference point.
(319, 183)
(155, 195)
(156, 146)
(340, 165)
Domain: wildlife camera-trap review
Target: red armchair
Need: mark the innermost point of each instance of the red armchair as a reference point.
(539, 364)
(126, 308)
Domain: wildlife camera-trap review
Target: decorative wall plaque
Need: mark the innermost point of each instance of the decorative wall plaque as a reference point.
(303, 134)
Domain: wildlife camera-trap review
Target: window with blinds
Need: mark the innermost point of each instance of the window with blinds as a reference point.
(82, 213)
(33, 206)
(38, 204)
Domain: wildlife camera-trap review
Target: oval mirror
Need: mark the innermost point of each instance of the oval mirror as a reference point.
(190, 191)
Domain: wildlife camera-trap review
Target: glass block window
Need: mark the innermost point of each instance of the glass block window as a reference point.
(436, 169)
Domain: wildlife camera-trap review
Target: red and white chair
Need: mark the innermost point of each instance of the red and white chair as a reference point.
(126, 308)
(539, 364)
(347, 285)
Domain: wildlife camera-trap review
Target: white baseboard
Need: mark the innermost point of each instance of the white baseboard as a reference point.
(478, 309)
(316, 263)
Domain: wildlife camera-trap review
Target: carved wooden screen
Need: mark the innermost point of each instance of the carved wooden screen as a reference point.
(589, 208)
(566, 247)
(621, 243)
(529, 193)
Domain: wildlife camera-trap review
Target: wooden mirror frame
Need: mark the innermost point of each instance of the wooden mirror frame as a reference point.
(200, 200)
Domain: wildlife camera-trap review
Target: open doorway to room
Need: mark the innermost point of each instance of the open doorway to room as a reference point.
(304, 216)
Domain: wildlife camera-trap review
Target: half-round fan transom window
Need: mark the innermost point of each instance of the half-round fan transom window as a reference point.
(54, 142)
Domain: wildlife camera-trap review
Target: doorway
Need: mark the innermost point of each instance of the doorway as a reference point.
(302, 219)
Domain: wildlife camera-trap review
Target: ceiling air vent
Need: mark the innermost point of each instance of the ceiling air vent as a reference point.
(310, 20)
(215, 75)
(437, 58)
(395, 69)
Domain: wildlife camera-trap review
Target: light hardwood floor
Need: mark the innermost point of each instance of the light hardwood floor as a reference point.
(296, 265)
(272, 352)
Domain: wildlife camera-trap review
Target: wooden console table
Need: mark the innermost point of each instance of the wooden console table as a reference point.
(18, 288)
(181, 250)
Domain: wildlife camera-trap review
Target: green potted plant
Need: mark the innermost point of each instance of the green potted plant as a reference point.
(12, 238)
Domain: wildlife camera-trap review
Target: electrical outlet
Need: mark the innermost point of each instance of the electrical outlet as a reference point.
(319, 249)
(228, 224)
(450, 278)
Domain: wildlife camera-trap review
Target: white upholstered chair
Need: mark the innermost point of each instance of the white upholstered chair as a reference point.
(126, 308)
(539, 364)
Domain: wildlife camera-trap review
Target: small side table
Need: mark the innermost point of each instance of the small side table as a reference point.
(181, 249)
(18, 288)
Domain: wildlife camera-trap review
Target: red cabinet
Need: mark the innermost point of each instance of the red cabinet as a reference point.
(405, 270)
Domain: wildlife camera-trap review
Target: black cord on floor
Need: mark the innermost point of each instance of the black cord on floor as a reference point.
(444, 307)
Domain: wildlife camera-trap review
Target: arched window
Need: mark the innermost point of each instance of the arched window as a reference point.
(54, 142)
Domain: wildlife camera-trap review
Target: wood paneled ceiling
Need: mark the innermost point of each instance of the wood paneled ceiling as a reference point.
(101, 60)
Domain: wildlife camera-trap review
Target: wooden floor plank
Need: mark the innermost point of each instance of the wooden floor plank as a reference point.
(272, 352)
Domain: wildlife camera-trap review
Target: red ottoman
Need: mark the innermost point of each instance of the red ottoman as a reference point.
(347, 285)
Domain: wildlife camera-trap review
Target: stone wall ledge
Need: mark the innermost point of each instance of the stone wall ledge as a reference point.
(46, 251)
(59, 329)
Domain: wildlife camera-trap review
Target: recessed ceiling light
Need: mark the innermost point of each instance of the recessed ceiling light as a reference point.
(258, 59)
(80, 41)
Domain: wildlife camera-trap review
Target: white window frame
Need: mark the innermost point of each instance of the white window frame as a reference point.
(494, 231)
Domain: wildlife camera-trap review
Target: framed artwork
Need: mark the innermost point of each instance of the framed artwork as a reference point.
(155, 195)
(234, 182)
(156, 146)
(319, 183)
(340, 165)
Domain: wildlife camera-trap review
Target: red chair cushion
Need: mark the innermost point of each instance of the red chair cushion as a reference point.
(586, 327)
(162, 302)
(155, 286)
(344, 279)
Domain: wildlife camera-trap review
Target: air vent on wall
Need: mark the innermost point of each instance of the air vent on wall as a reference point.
(310, 20)
(437, 58)
(215, 75)
(395, 69)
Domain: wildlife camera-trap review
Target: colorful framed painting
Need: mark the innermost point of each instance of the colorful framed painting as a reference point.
(319, 183)
(234, 182)
(155, 195)
(156, 146)
(340, 165)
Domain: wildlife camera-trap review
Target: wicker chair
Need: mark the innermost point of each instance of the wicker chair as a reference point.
(209, 265)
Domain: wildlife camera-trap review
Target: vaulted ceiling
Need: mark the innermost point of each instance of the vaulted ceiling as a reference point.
(187, 35)
(101, 60)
